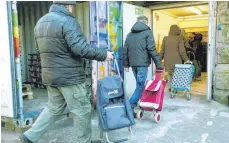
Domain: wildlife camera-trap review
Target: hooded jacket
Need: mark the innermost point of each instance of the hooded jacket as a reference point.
(172, 49)
(140, 48)
(62, 47)
(197, 45)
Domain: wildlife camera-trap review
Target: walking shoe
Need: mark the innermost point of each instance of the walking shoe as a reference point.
(24, 139)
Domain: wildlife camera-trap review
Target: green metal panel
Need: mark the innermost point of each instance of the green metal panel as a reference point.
(29, 13)
(28, 42)
(86, 15)
(81, 13)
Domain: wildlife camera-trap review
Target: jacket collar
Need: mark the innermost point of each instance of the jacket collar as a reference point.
(60, 9)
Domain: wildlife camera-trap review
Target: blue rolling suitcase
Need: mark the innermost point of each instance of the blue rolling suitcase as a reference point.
(113, 107)
(182, 79)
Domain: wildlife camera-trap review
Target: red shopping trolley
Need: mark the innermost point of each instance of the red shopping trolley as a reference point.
(152, 97)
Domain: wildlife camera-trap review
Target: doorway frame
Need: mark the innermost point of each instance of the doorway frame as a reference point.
(212, 5)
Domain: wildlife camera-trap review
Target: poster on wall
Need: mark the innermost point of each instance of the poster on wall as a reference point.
(102, 36)
(115, 35)
(98, 19)
(106, 32)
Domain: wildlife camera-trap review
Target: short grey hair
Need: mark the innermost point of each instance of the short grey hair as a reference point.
(143, 19)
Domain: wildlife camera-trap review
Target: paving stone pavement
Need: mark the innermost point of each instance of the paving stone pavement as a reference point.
(195, 121)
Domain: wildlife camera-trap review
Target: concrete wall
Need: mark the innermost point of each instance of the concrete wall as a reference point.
(221, 76)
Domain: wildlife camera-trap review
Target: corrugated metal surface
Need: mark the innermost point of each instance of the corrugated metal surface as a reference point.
(29, 13)
(81, 12)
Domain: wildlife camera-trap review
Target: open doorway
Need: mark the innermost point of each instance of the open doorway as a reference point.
(192, 19)
(35, 96)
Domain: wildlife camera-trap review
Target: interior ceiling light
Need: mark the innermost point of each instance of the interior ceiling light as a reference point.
(195, 10)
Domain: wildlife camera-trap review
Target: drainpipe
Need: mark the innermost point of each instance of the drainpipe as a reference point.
(97, 24)
(108, 36)
(17, 60)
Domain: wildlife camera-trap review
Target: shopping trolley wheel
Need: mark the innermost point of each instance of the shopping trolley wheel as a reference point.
(157, 117)
(140, 114)
(188, 96)
(173, 93)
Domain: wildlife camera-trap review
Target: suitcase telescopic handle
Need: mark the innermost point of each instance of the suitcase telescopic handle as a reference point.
(116, 64)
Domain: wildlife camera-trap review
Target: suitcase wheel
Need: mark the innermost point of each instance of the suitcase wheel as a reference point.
(101, 135)
(140, 114)
(157, 117)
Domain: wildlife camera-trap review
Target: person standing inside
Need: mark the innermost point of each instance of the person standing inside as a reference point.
(191, 37)
(187, 45)
(197, 45)
(173, 51)
(139, 49)
(63, 49)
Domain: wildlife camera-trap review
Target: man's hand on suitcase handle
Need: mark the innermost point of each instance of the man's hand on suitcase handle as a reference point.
(161, 71)
(110, 56)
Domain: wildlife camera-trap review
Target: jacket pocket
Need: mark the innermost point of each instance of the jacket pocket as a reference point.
(80, 97)
(116, 116)
(81, 101)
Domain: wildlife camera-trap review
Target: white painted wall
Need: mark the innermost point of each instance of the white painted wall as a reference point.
(5, 69)
(129, 18)
(161, 26)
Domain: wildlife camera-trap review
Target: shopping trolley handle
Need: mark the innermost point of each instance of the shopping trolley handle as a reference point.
(160, 70)
(188, 62)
